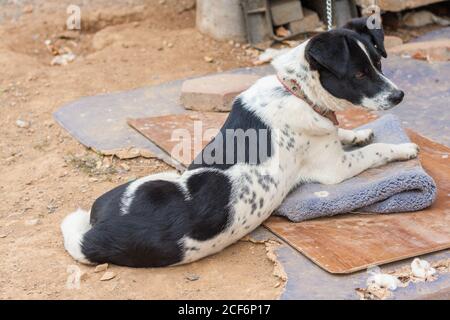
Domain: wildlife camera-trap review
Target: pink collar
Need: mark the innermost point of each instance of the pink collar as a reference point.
(295, 89)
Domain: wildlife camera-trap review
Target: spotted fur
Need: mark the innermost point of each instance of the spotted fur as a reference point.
(169, 219)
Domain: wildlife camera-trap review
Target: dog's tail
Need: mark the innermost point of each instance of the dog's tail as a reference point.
(73, 228)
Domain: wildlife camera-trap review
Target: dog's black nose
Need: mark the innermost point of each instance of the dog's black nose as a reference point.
(397, 96)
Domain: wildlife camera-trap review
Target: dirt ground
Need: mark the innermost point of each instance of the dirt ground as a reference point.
(45, 173)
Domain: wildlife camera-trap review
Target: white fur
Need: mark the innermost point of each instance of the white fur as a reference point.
(73, 228)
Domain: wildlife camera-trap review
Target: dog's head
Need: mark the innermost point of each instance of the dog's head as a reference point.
(348, 63)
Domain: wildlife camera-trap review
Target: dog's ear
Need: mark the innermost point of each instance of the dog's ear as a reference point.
(371, 33)
(330, 50)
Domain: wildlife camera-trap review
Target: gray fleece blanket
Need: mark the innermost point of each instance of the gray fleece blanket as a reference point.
(395, 187)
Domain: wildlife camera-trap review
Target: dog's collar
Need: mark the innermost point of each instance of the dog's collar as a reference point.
(295, 89)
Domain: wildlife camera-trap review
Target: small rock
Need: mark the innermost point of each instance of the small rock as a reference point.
(208, 59)
(22, 124)
(170, 45)
(28, 9)
(63, 59)
(192, 277)
(51, 208)
(109, 275)
(422, 18)
(282, 32)
(32, 222)
(125, 167)
(101, 268)
(83, 276)
(2, 236)
(422, 269)
(432, 51)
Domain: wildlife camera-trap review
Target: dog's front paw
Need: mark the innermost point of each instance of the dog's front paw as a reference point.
(406, 151)
(363, 137)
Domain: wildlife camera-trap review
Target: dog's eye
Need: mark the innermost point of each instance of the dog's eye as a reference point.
(360, 75)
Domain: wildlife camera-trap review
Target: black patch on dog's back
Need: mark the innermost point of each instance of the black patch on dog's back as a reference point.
(100, 208)
(243, 119)
(211, 213)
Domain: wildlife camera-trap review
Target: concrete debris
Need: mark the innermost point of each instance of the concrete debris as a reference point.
(269, 54)
(101, 268)
(108, 275)
(432, 51)
(422, 18)
(282, 32)
(192, 277)
(382, 280)
(379, 285)
(278, 270)
(128, 153)
(208, 59)
(28, 9)
(31, 222)
(62, 60)
(310, 22)
(421, 269)
(22, 124)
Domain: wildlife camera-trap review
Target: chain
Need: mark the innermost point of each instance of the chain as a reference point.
(329, 15)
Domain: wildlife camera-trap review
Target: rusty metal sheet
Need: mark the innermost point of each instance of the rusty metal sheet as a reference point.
(172, 131)
(344, 244)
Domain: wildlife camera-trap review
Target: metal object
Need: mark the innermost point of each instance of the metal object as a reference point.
(259, 22)
(329, 15)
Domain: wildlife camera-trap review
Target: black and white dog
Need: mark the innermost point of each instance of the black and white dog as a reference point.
(169, 219)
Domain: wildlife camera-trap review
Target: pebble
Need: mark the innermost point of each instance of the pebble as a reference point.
(32, 222)
(22, 124)
(28, 9)
(63, 59)
(109, 275)
(101, 268)
(208, 59)
(125, 167)
(192, 277)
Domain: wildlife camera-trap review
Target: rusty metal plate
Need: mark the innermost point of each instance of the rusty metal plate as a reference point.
(175, 133)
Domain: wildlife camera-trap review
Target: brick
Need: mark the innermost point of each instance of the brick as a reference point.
(392, 41)
(214, 93)
(437, 50)
(285, 11)
(310, 22)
